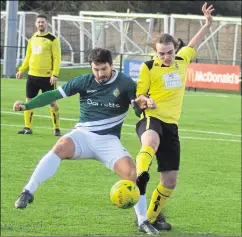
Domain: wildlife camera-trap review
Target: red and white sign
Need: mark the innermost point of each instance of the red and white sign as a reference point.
(213, 76)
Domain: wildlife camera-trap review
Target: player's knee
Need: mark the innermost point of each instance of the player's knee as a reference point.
(169, 182)
(132, 174)
(150, 138)
(54, 105)
(142, 181)
(64, 148)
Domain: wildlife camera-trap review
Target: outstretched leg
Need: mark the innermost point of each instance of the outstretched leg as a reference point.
(45, 169)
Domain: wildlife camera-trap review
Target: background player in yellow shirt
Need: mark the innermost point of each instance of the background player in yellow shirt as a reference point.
(162, 81)
(43, 57)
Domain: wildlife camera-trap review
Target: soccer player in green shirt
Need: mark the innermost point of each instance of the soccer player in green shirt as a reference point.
(105, 96)
(162, 81)
(43, 58)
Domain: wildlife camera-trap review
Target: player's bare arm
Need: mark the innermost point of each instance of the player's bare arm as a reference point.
(53, 80)
(19, 75)
(196, 40)
(56, 55)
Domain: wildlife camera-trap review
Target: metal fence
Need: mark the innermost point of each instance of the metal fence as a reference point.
(222, 45)
(119, 58)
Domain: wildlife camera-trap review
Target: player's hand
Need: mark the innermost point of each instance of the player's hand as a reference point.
(19, 75)
(207, 13)
(53, 80)
(151, 103)
(18, 106)
(140, 102)
(144, 102)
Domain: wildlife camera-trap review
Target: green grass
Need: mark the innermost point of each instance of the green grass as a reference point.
(75, 201)
(69, 73)
(65, 73)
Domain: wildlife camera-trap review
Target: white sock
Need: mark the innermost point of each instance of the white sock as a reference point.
(45, 169)
(141, 209)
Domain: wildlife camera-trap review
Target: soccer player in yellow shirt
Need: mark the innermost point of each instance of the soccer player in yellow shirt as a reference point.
(162, 82)
(43, 58)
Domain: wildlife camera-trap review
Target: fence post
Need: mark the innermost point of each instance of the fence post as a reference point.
(240, 87)
(240, 79)
(121, 62)
(10, 40)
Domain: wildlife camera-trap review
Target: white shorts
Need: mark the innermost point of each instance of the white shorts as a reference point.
(104, 148)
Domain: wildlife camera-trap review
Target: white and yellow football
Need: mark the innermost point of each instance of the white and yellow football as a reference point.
(124, 194)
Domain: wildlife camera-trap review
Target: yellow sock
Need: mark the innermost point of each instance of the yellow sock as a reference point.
(144, 158)
(158, 201)
(54, 113)
(28, 117)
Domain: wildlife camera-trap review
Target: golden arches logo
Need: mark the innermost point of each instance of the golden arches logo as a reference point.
(190, 74)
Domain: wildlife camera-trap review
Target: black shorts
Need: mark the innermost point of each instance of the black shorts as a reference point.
(34, 84)
(168, 153)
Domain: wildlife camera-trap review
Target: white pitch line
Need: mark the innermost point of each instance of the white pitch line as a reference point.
(188, 93)
(210, 139)
(199, 131)
(38, 127)
(130, 125)
(36, 115)
(211, 132)
(133, 134)
(207, 95)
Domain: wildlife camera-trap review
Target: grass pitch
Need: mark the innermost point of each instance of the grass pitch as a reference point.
(75, 201)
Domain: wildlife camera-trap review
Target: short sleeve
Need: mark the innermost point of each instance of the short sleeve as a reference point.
(187, 53)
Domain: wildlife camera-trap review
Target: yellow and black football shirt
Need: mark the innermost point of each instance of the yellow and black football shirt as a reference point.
(43, 56)
(165, 85)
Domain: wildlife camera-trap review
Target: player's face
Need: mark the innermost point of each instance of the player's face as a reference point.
(166, 53)
(102, 71)
(41, 24)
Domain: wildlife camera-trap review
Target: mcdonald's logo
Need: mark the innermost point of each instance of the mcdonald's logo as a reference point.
(213, 76)
(190, 74)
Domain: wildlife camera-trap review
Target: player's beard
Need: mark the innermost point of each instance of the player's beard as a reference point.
(105, 79)
(41, 29)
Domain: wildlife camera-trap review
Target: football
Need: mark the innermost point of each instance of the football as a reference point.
(124, 194)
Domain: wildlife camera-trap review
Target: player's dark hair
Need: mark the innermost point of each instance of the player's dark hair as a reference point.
(180, 44)
(100, 55)
(41, 16)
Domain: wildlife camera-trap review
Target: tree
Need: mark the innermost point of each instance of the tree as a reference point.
(223, 8)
